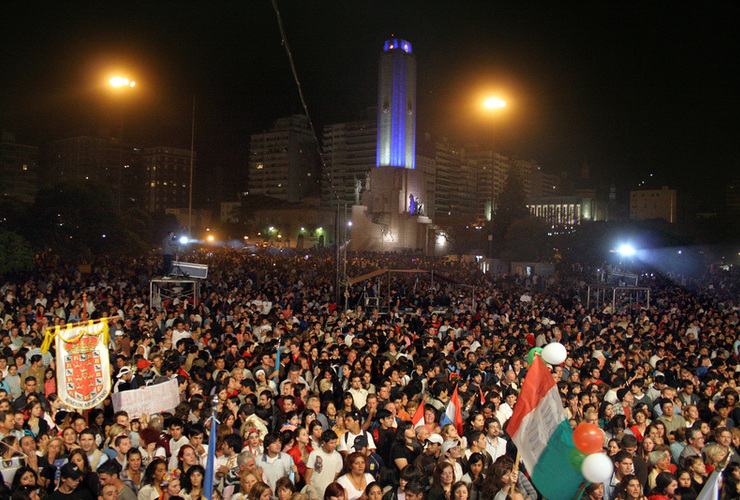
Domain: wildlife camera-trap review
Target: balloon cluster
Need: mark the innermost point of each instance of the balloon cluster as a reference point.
(588, 455)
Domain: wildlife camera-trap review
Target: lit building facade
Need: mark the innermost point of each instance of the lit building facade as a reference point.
(167, 178)
(653, 204)
(283, 162)
(397, 106)
(567, 210)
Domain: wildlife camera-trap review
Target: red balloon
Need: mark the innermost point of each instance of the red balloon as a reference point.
(589, 438)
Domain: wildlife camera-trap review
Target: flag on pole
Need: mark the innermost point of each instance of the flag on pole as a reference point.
(211, 462)
(83, 362)
(543, 435)
(453, 414)
(418, 418)
(277, 362)
(710, 491)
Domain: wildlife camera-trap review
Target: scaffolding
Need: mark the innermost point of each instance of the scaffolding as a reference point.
(168, 289)
(621, 298)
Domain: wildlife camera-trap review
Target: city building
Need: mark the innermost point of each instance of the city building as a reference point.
(19, 169)
(397, 105)
(349, 151)
(283, 162)
(167, 177)
(99, 160)
(653, 204)
(567, 210)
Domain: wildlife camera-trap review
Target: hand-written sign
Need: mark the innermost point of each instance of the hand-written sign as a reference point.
(148, 400)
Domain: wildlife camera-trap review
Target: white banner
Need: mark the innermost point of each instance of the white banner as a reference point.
(83, 365)
(151, 399)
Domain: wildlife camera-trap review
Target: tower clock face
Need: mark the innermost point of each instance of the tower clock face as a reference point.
(386, 106)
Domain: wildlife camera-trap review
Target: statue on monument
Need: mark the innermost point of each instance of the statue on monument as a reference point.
(358, 190)
(412, 204)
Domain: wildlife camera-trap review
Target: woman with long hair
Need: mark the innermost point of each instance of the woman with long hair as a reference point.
(260, 491)
(460, 491)
(187, 458)
(35, 423)
(442, 481)
(284, 488)
(691, 415)
(300, 451)
(90, 479)
(594, 491)
(630, 489)
(640, 426)
(403, 450)
(151, 487)
(665, 487)
(474, 477)
(356, 477)
(132, 475)
(334, 491)
(24, 476)
(50, 383)
(697, 469)
(192, 483)
(731, 476)
(499, 478)
(69, 436)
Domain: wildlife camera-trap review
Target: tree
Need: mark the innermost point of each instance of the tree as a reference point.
(16, 254)
(511, 207)
(527, 240)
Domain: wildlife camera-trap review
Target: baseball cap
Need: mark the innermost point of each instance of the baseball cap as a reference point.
(123, 371)
(71, 471)
(142, 363)
(360, 442)
(435, 438)
(448, 445)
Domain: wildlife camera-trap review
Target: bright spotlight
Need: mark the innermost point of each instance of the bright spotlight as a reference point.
(183, 240)
(349, 223)
(210, 237)
(626, 250)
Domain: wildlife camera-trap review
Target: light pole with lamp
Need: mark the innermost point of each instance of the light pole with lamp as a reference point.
(492, 103)
(119, 82)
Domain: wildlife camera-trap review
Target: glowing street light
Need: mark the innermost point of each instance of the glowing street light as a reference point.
(494, 103)
(119, 81)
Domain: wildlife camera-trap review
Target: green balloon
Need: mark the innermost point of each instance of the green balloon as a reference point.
(576, 458)
(531, 353)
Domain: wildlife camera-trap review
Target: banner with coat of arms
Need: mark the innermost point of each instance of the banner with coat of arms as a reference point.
(83, 363)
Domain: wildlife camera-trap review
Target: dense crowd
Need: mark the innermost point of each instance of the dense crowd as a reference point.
(334, 420)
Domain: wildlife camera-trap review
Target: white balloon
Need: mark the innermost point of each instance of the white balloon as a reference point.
(554, 353)
(597, 468)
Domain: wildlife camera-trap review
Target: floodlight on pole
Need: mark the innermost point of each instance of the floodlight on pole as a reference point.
(626, 250)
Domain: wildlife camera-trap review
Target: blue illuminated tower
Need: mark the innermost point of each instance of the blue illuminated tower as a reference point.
(397, 106)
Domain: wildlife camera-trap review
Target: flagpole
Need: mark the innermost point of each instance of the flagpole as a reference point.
(277, 361)
(211, 463)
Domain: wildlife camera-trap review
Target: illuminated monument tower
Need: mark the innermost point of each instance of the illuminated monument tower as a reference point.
(392, 213)
(397, 105)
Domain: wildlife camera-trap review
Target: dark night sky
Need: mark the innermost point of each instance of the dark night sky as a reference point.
(633, 88)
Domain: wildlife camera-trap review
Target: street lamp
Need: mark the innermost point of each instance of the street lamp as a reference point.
(119, 82)
(493, 103)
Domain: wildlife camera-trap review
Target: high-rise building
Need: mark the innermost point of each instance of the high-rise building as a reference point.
(167, 178)
(283, 162)
(97, 159)
(653, 204)
(491, 170)
(19, 169)
(397, 105)
(349, 155)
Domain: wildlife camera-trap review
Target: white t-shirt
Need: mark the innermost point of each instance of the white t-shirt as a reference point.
(352, 493)
(325, 468)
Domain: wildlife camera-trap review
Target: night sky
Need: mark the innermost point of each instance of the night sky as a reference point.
(632, 88)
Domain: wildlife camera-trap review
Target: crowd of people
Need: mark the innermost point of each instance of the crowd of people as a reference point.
(332, 419)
